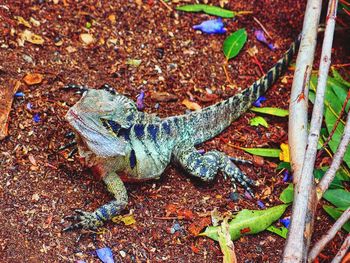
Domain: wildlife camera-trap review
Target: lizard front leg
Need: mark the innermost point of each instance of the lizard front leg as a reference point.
(92, 220)
(206, 166)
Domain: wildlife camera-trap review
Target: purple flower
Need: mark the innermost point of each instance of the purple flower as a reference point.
(201, 151)
(19, 94)
(105, 255)
(260, 204)
(258, 102)
(139, 102)
(285, 221)
(287, 177)
(36, 117)
(29, 106)
(260, 36)
(248, 195)
(214, 26)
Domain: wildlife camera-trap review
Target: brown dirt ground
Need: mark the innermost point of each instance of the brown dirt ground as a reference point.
(39, 186)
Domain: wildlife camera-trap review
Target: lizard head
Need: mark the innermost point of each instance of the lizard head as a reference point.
(88, 115)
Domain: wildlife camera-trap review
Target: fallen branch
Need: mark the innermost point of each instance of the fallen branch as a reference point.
(337, 159)
(329, 235)
(343, 249)
(297, 133)
(305, 200)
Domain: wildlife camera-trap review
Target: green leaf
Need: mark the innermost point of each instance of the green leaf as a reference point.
(275, 153)
(281, 231)
(284, 165)
(339, 78)
(287, 194)
(258, 121)
(271, 111)
(338, 197)
(330, 120)
(248, 222)
(208, 9)
(335, 213)
(234, 43)
(335, 95)
(134, 62)
(336, 183)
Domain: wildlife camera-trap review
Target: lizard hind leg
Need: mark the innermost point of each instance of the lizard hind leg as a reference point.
(207, 165)
(92, 220)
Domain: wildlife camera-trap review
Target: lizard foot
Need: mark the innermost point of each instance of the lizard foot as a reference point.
(86, 220)
(231, 171)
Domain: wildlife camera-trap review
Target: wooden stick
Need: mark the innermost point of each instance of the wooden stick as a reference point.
(343, 249)
(329, 235)
(305, 201)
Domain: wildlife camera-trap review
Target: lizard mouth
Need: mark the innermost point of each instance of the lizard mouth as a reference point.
(94, 135)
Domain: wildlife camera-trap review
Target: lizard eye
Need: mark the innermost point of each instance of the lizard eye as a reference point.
(111, 125)
(108, 88)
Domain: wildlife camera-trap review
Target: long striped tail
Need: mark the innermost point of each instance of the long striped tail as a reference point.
(209, 122)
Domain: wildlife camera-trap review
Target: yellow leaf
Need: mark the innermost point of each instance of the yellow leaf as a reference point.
(127, 219)
(22, 21)
(284, 154)
(29, 36)
(191, 105)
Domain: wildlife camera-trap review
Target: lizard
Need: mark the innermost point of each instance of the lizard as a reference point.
(121, 144)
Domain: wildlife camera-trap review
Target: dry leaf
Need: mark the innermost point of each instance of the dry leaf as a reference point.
(112, 18)
(22, 21)
(30, 37)
(163, 96)
(33, 78)
(191, 105)
(32, 159)
(87, 39)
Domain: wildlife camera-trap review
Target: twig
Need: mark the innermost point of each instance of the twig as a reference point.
(337, 159)
(335, 125)
(305, 201)
(263, 28)
(343, 249)
(329, 235)
(166, 5)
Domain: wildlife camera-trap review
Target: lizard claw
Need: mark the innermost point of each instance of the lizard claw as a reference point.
(86, 220)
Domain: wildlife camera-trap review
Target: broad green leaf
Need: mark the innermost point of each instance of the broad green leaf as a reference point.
(330, 120)
(336, 183)
(248, 222)
(208, 9)
(340, 89)
(335, 213)
(271, 111)
(339, 78)
(275, 153)
(342, 175)
(284, 165)
(334, 98)
(281, 231)
(287, 194)
(338, 197)
(234, 43)
(258, 121)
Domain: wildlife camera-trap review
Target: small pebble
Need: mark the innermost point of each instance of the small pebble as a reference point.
(234, 196)
(160, 53)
